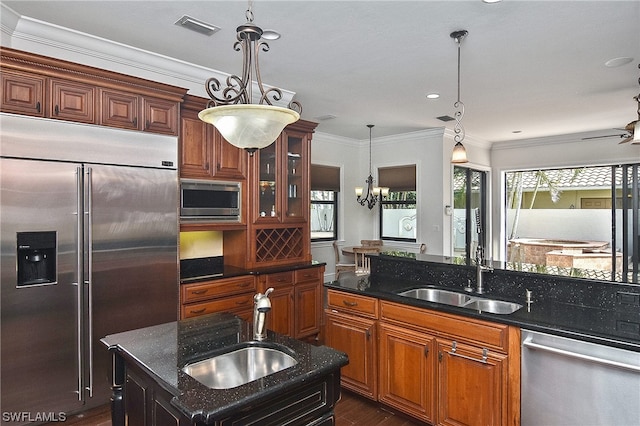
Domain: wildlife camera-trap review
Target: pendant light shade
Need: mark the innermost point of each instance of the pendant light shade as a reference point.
(459, 154)
(250, 127)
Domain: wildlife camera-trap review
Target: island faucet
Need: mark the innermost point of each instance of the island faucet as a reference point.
(480, 268)
(261, 305)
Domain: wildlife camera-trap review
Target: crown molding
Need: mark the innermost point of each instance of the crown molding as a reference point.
(32, 35)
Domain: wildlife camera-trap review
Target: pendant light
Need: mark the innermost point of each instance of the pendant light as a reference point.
(374, 193)
(230, 110)
(459, 154)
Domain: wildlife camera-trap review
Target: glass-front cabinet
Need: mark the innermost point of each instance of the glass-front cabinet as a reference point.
(283, 176)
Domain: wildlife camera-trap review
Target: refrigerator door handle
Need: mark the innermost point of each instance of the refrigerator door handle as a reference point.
(89, 280)
(79, 278)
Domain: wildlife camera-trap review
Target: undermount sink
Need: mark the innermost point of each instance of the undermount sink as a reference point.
(462, 300)
(238, 367)
(438, 296)
(493, 306)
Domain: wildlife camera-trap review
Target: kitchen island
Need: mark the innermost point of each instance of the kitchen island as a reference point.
(151, 388)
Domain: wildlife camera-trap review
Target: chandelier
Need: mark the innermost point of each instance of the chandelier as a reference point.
(459, 154)
(244, 124)
(374, 193)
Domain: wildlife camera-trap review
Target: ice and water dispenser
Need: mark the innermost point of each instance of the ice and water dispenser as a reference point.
(36, 258)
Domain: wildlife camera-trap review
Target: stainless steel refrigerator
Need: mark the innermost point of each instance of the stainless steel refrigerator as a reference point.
(89, 236)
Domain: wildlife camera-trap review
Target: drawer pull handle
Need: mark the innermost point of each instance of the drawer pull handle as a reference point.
(244, 302)
(347, 303)
(199, 311)
(426, 351)
(56, 110)
(135, 121)
(199, 291)
(485, 354)
(38, 106)
(243, 285)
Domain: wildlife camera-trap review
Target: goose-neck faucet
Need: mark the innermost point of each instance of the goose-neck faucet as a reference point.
(261, 305)
(480, 268)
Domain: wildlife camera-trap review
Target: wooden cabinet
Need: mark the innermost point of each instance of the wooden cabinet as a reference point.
(204, 153)
(282, 169)
(234, 295)
(283, 237)
(146, 403)
(72, 101)
(23, 93)
(46, 87)
(33, 94)
(133, 112)
(350, 327)
(475, 379)
(407, 373)
(296, 302)
(472, 384)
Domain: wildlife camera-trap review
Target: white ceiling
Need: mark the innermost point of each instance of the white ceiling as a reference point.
(531, 66)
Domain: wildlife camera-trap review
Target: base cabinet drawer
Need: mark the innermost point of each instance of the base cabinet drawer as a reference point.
(234, 304)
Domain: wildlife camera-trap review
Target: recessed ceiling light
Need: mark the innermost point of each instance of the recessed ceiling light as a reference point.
(433, 96)
(491, 1)
(270, 35)
(618, 62)
(196, 25)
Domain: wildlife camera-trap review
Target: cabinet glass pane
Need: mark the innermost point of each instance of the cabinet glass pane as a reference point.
(268, 187)
(295, 163)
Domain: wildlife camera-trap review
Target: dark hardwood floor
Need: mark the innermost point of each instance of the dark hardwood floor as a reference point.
(351, 410)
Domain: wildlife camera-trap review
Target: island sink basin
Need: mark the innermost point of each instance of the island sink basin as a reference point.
(462, 300)
(239, 367)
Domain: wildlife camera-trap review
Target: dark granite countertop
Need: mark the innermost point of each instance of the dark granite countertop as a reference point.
(226, 271)
(163, 350)
(599, 325)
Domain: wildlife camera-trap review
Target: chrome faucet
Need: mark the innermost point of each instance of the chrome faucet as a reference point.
(480, 268)
(261, 305)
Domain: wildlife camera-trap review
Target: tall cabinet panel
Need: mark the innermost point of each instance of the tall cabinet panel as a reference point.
(278, 204)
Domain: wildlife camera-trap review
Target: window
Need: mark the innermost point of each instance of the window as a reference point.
(398, 212)
(581, 222)
(469, 213)
(325, 185)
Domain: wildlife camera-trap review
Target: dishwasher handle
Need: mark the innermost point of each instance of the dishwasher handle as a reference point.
(624, 366)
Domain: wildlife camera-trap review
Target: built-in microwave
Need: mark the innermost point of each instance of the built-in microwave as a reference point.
(210, 200)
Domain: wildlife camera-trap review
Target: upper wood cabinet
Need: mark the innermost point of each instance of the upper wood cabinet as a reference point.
(129, 111)
(278, 189)
(282, 172)
(204, 153)
(46, 87)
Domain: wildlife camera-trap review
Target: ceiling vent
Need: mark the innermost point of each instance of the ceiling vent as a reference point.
(196, 25)
(445, 118)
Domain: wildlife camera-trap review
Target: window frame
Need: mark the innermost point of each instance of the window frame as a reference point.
(396, 202)
(335, 215)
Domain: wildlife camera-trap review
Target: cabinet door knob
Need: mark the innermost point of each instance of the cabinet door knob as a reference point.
(38, 106)
(56, 110)
(347, 303)
(135, 121)
(198, 311)
(426, 350)
(199, 291)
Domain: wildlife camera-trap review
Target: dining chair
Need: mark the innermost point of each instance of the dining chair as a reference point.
(363, 263)
(341, 265)
(371, 243)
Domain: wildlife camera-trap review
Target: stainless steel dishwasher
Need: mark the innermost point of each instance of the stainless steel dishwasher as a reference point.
(571, 382)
